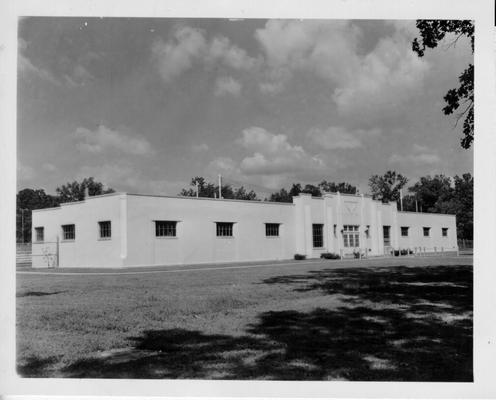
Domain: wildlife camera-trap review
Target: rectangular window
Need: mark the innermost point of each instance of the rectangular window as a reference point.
(105, 229)
(271, 229)
(40, 233)
(318, 237)
(445, 232)
(69, 232)
(427, 231)
(335, 231)
(351, 236)
(225, 229)
(404, 231)
(386, 233)
(165, 228)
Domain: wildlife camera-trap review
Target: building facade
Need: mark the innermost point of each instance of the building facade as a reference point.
(129, 230)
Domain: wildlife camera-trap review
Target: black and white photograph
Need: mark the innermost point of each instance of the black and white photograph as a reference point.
(245, 199)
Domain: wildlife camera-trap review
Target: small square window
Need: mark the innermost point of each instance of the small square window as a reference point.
(427, 231)
(225, 229)
(444, 232)
(105, 229)
(272, 230)
(69, 232)
(404, 231)
(165, 228)
(40, 233)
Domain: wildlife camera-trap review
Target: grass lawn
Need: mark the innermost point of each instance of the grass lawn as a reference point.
(407, 319)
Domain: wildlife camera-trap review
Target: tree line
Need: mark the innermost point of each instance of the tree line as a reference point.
(430, 194)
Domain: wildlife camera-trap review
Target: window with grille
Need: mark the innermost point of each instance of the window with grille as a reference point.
(165, 228)
(427, 231)
(444, 232)
(318, 236)
(105, 229)
(271, 229)
(404, 231)
(69, 232)
(225, 229)
(351, 236)
(40, 233)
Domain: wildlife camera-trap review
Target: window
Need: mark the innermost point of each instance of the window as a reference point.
(444, 232)
(351, 236)
(40, 233)
(404, 231)
(105, 229)
(225, 229)
(367, 232)
(386, 229)
(69, 232)
(335, 230)
(427, 231)
(271, 229)
(165, 228)
(318, 237)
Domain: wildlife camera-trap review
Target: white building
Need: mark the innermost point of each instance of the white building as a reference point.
(129, 230)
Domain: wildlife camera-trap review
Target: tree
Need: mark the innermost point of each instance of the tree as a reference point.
(341, 187)
(433, 193)
(387, 187)
(440, 194)
(432, 32)
(74, 191)
(282, 196)
(208, 189)
(26, 201)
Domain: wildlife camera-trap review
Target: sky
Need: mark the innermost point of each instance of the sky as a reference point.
(144, 105)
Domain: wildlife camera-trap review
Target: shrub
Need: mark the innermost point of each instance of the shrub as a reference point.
(410, 251)
(356, 254)
(404, 252)
(330, 256)
(396, 253)
(300, 256)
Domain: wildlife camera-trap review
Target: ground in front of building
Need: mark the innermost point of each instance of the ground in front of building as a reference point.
(404, 319)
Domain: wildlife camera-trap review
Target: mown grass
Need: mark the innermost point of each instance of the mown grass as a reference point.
(407, 319)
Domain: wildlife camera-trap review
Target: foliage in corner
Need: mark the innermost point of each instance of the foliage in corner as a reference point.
(458, 100)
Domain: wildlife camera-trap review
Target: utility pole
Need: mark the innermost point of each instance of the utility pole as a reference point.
(401, 199)
(197, 191)
(220, 186)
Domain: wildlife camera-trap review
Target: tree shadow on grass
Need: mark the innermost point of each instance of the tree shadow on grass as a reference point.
(396, 324)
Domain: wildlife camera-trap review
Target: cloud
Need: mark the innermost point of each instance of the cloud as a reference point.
(198, 148)
(123, 176)
(420, 155)
(76, 76)
(337, 137)
(189, 45)
(273, 154)
(367, 81)
(227, 86)
(103, 139)
(49, 167)
(25, 172)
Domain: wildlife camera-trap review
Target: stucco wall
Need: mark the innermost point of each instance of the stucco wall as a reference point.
(87, 250)
(196, 240)
(416, 238)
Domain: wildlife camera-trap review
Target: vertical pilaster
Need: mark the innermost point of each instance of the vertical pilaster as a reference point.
(123, 225)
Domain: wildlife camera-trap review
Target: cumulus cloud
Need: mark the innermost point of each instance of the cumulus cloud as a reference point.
(25, 172)
(273, 154)
(189, 45)
(337, 137)
(227, 86)
(332, 52)
(103, 139)
(198, 148)
(420, 155)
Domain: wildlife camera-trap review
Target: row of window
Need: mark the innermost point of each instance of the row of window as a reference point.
(351, 235)
(162, 229)
(426, 230)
